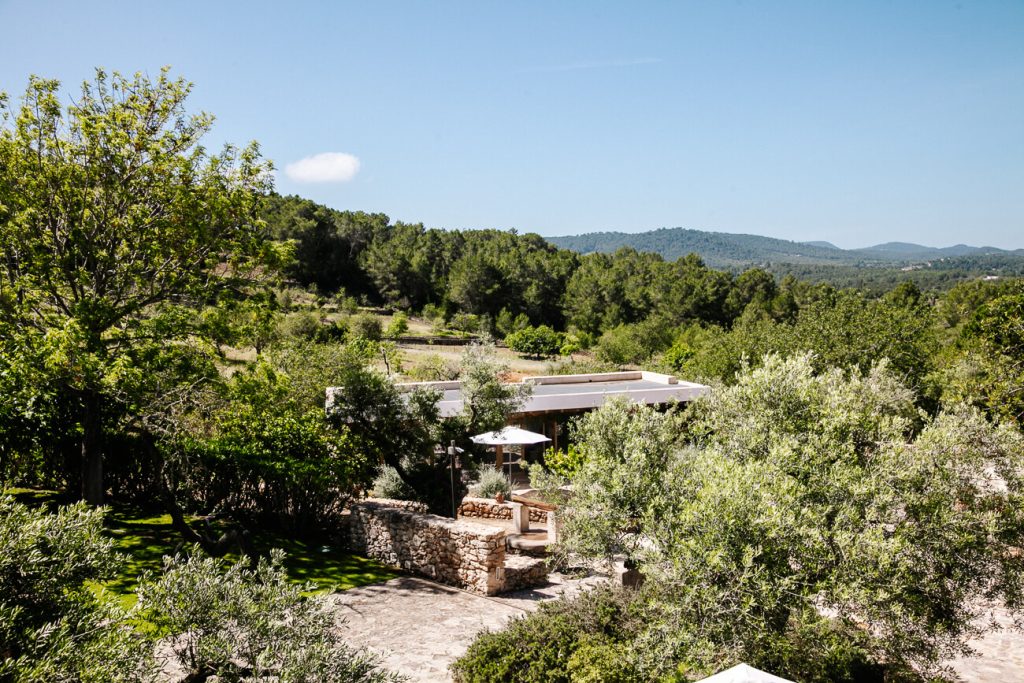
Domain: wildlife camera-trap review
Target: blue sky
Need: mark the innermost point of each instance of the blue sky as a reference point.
(853, 122)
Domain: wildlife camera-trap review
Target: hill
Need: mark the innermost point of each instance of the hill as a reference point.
(728, 250)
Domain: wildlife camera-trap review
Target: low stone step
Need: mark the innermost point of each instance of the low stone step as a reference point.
(527, 544)
(523, 572)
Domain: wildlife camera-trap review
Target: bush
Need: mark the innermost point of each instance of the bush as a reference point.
(538, 342)
(564, 463)
(433, 368)
(52, 625)
(634, 344)
(399, 325)
(491, 483)
(506, 323)
(249, 623)
(563, 641)
(573, 366)
(467, 323)
(301, 326)
(365, 326)
(389, 485)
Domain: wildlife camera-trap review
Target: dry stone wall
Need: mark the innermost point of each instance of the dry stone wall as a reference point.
(488, 508)
(457, 552)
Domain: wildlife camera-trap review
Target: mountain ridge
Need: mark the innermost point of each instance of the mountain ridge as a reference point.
(730, 250)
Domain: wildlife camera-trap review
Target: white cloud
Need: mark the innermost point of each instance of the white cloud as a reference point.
(326, 167)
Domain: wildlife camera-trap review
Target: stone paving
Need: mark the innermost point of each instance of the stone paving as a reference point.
(420, 627)
(1001, 655)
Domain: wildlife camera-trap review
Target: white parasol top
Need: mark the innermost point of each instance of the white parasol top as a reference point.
(509, 436)
(742, 673)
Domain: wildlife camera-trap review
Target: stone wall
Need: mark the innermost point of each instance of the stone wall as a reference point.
(488, 508)
(456, 552)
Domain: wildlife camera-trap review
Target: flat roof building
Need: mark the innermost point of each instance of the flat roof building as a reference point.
(556, 394)
(556, 399)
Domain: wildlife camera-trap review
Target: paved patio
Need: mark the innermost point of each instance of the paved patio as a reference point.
(420, 627)
(1002, 655)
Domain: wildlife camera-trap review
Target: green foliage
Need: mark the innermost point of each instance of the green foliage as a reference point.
(506, 323)
(994, 347)
(291, 470)
(634, 344)
(803, 488)
(625, 448)
(565, 463)
(118, 227)
(538, 342)
(842, 330)
(491, 483)
(52, 625)
(565, 640)
(398, 326)
(249, 623)
(365, 326)
(487, 400)
(577, 366)
(300, 326)
(389, 484)
(433, 367)
(548, 483)
(467, 323)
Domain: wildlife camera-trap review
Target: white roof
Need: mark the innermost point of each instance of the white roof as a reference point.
(559, 393)
(741, 673)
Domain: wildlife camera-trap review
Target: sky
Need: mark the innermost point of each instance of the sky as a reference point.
(852, 122)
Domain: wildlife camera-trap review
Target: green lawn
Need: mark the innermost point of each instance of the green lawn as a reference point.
(145, 538)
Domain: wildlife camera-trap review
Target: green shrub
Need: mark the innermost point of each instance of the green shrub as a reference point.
(389, 485)
(248, 622)
(538, 342)
(365, 326)
(301, 326)
(399, 325)
(541, 647)
(433, 368)
(564, 463)
(491, 483)
(634, 344)
(467, 323)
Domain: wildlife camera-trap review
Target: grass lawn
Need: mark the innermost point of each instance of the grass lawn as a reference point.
(145, 538)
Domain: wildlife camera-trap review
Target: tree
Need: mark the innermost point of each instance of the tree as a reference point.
(990, 372)
(815, 524)
(244, 622)
(113, 217)
(249, 623)
(53, 626)
(487, 401)
(538, 342)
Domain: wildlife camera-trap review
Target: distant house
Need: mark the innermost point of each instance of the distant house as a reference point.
(558, 398)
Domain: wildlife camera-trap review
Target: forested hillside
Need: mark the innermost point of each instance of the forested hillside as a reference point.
(876, 267)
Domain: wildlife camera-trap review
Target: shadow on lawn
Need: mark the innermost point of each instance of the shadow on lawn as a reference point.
(144, 537)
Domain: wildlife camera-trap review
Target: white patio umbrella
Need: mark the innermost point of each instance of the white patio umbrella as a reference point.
(509, 436)
(742, 673)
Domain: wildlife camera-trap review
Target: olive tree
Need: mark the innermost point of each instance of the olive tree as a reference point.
(114, 216)
(813, 523)
(53, 626)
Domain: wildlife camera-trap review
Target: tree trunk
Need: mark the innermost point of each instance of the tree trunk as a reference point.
(92, 455)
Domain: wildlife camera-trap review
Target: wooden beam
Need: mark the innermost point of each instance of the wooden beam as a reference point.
(534, 503)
